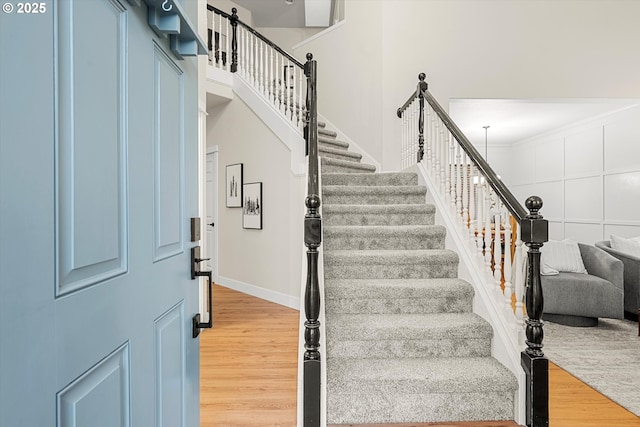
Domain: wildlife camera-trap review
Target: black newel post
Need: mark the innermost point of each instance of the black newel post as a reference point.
(312, 240)
(422, 86)
(234, 40)
(535, 231)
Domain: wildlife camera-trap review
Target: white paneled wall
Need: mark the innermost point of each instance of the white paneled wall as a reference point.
(588, 176)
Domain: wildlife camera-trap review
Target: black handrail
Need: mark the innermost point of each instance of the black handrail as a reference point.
(234, 18)
(534, 231)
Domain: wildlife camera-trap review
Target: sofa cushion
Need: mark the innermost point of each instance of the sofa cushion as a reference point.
(579, 294)
(628, 246)
(561, 256)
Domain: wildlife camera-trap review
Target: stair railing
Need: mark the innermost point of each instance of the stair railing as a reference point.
(282, 80)
(484, 206)
(274, 73)
(312, 239)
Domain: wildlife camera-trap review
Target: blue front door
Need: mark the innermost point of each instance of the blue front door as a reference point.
(98, 181)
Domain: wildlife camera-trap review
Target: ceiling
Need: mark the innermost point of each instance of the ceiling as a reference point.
(513, 120)
(279, 14)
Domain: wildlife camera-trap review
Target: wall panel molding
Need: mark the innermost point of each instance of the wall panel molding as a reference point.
(91, 143)
(168, 158)
(100, 396)
(170, 368)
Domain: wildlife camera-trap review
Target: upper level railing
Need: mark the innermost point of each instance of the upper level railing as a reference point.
(484, 208)
(290, 87)
(236, 47)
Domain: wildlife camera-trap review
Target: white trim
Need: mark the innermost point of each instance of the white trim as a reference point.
(258, 292)
(318, 35)
(503, 347)
(219, 76)
(213, 149)
(289, 135)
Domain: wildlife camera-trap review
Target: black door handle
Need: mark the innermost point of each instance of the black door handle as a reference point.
(212, 224)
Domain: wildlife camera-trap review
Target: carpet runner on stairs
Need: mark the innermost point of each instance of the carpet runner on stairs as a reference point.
(402, 342)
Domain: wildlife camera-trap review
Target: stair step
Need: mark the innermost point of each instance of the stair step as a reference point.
(397, 264)
(336, 153)
(383, 336)
(364, 179)
(373, 195)
(327, 132)
(418, 390)
(384, 237)
(415, 214)
(332, 143)
(337, 165)
(322, 124)
(442, 295)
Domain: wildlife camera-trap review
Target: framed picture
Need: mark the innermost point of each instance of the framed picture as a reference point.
(234, 186)
(252, 207)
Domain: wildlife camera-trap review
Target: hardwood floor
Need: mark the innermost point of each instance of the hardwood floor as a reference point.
(248, 374)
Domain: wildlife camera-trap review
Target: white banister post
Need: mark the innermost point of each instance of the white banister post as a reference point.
(497, 249)
(227, 63)
(508, 287)
(487, 232)
(452, 177)
(465, 193)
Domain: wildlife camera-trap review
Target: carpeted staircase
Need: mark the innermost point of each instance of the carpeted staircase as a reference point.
(402, 342)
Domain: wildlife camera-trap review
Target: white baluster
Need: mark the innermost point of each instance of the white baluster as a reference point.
(472, 205)
(404, 139)
(294, 70)
(497, 251)
(227, 62)
(458, 180)
(303, 80)
(520, 277)
(508, 287)
(272, 78)
(452, 177)
(487, 232)
(465, 193)
(445, 165)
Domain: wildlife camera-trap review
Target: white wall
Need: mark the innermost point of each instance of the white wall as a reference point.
(267, 262)
(470, 49)
(587, 174)
(350, 67)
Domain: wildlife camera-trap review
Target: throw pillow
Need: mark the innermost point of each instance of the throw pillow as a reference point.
(561, 256)
(628, 246)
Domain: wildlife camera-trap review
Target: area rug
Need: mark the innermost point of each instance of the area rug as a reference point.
(606, 357)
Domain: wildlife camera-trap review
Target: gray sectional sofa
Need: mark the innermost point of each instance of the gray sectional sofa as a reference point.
(631, 277)
(577, 299)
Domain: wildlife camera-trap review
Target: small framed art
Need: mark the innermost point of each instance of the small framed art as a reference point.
(252, 207)
(234, 186)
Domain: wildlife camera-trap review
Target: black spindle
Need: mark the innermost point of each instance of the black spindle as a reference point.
(234, 40)
(534, 232)
(422, 86)
(312, 240)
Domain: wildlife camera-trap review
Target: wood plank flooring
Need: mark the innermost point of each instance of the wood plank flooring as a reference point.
(248, 374)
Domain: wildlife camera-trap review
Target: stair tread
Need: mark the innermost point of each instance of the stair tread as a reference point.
(364, 179)
(336, 153)
(347, 163)
(385, 229)
(391, 208)
(407, 326)
(402, 256)
(417, 376)
(394, 288)
(372, 189)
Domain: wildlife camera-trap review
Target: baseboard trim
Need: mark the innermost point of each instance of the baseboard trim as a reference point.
(258, 292)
